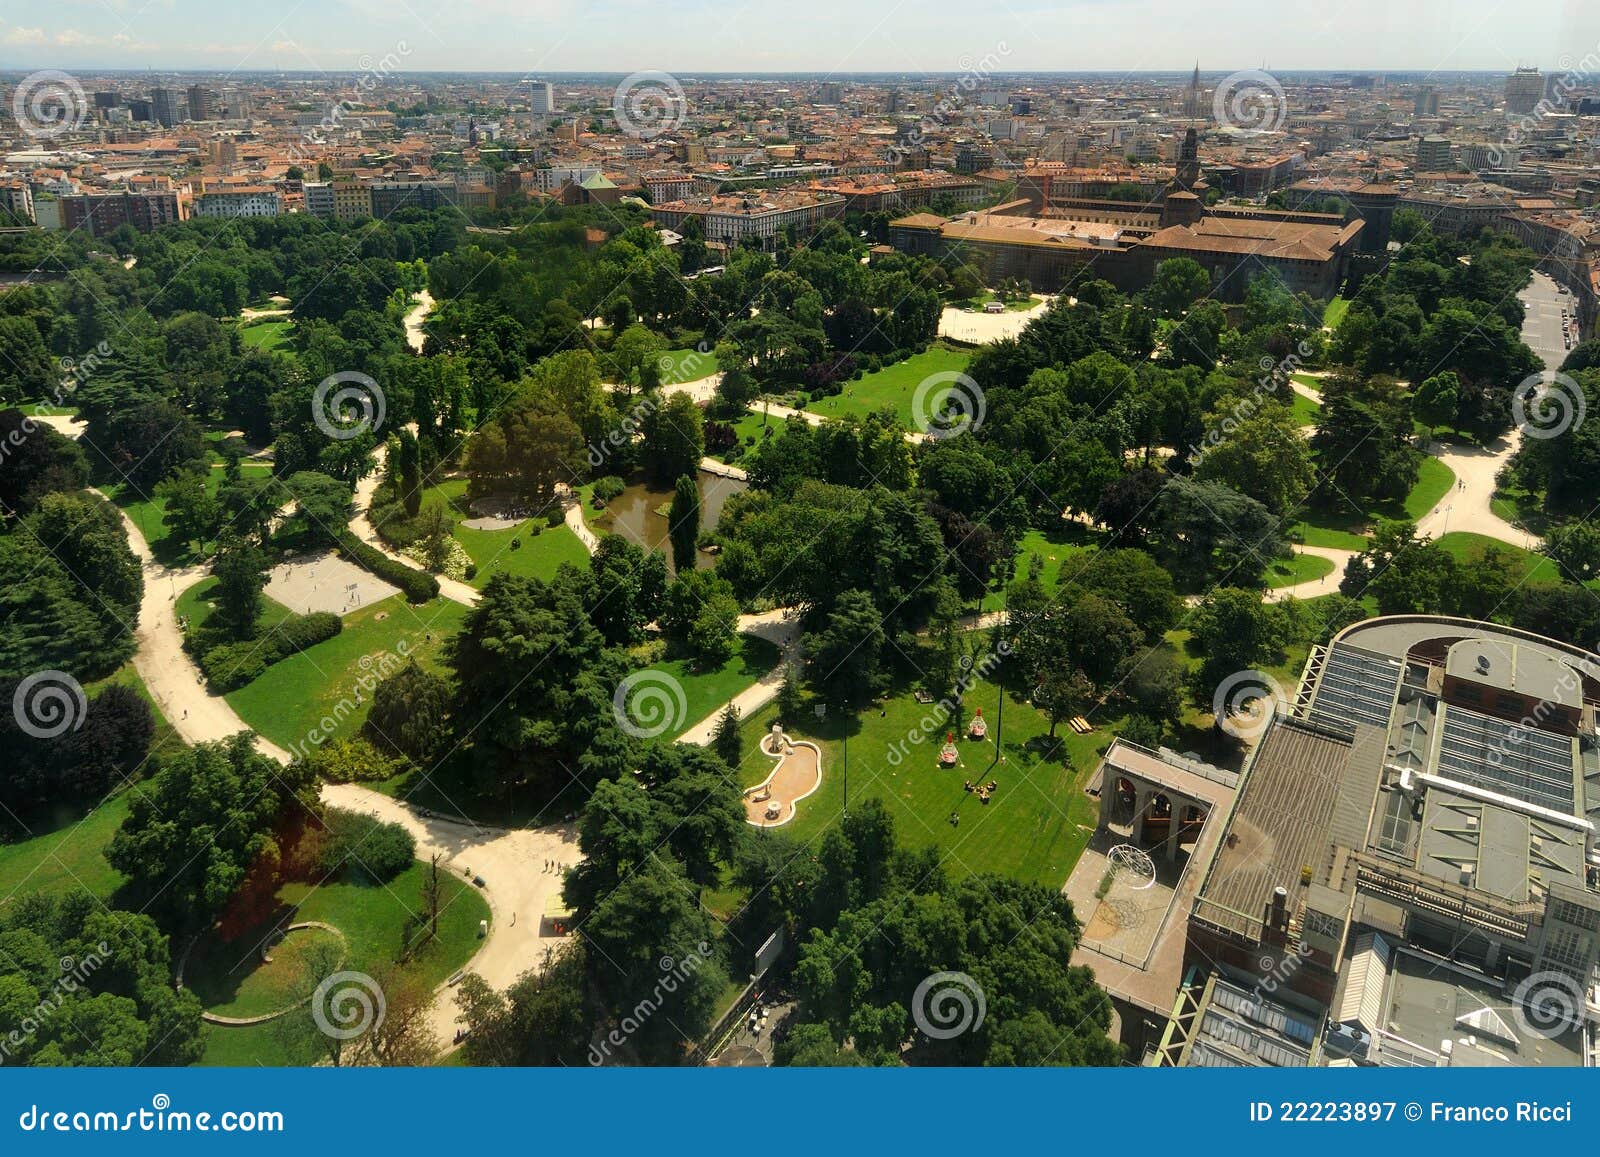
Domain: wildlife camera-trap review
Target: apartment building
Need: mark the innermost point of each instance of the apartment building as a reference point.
(240, 201)
(103, 213)
(734, 218)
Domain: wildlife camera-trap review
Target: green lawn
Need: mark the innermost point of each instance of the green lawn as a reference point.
(1058, 559)
(1305, 411)
(686, 365)
(1329, 536)
(374, 920)
(1302, 568)
(893, 387)
(195, 605)
(1334, 312)
(751, 429)
(231, 979)
(67, 858)
(1434, 481)
(538, 556)
(707, 691)
(1533, 568)
(1344, 530)
(268, 334)
(66, 851)
(1034, 828)
(1016, 305)
(290, 701)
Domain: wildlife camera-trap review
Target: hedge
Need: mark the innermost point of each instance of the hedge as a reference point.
(417, 585)
(230, 666)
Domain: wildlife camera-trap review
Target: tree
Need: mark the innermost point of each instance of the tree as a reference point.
(190, 512)
(240, 572)
(1205, 530)
(1261, 455)
(650, 917)
(84, 985)
(674, 439)
(410, 714)
(39, 461)
(1237, 632)
(789, 698)
(736, 388)
(30, 371)
(322, 502)
(544, 1018)
(1438, 399)
(1575, 549)
(1405, 573)
(432, 897)
(842, 657)
(217, 814)
(1178, 283)
(683, 521)
(726, 740)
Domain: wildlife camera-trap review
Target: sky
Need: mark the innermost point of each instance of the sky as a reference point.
(534, 37)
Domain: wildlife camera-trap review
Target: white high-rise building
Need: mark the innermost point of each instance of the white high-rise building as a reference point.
(541, 98)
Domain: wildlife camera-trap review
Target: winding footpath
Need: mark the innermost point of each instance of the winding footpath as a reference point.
(510, 862)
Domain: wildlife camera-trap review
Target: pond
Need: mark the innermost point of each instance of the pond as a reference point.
(638, 513)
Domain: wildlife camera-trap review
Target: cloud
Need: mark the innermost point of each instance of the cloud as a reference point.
(25, 36)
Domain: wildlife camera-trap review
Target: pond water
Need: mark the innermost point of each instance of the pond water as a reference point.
(633, 513)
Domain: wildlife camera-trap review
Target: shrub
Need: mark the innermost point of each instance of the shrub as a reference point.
(229, 666)
(607, 488)
(418, 586)
(365, 846)
(351, 761)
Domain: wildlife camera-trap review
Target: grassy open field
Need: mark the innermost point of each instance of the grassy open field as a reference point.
(1302, 568)
(293, 698)
(1036, 825)
(268, 334)
(374, 920)
(893, 387)
(1532, 568)
(707, 691)
(538, 555)
(686, 365)
(65, 858)
(1333, 313)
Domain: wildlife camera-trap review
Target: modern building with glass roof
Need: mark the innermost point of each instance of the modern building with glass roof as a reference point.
(1411, 859)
